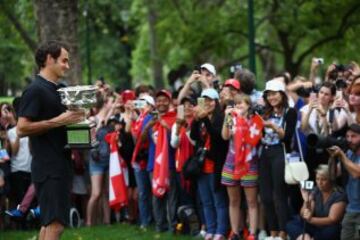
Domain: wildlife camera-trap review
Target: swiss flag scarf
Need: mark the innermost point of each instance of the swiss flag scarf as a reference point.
(160, 181)
(245, 138)
(184, 150)
(118, 174)
(255, 131)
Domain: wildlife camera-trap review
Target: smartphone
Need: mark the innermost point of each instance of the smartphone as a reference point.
(201, 102)
(307, 185)
(180, 112)
(4, 155)
(339, 94)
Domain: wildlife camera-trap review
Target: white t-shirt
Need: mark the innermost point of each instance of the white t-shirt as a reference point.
(315, 122)
(22, 160)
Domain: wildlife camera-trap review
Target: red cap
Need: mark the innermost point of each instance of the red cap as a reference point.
(163, 92)
(128, 95)
(233, 83)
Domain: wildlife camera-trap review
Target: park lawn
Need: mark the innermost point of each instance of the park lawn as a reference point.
(111, 232)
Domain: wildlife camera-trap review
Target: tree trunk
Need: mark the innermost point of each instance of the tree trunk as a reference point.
(268, 62)
(58, 20)
(156, 62)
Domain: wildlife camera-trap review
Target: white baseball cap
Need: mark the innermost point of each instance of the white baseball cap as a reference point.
(209, 67)
(210, 93)
(148, 99)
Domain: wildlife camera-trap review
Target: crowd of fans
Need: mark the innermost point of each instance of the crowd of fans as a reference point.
(191, 167)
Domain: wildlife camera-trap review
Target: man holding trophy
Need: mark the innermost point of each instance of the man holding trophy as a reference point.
(43, 118)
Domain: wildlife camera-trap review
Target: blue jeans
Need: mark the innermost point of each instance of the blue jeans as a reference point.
(144, 192)
(215, 205)
(294, 228)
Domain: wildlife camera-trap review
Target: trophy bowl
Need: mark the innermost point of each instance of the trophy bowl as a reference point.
(74, 98)
(78, 96)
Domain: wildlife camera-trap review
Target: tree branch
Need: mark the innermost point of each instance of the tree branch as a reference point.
(182, 16)
(343, 27)
(23, 33)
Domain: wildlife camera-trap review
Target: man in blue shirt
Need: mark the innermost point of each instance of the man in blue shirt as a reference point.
(164, 207)
(351, 162)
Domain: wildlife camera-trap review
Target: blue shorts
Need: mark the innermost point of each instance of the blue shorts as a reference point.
(99, 167)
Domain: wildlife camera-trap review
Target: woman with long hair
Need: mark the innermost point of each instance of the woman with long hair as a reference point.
(279, 126)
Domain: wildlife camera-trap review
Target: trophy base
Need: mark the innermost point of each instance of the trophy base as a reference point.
(79, 136)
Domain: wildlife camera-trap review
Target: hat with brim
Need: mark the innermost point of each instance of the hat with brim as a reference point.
(274, 85)
(210, 93)
(163, 92)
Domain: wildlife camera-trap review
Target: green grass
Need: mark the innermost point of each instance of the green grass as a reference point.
(112, 232)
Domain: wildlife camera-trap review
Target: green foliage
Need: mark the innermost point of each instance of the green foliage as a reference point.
(16, 58)
(190, 32)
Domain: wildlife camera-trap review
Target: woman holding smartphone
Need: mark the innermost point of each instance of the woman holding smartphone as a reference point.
(230, 178)
(279, 127)
(206, 131)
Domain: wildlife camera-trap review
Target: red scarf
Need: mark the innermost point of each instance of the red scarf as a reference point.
(160, 181)
(118, 174)
(184, 150)
(136, 131)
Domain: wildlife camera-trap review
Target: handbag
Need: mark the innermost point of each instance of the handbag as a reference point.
(295, 167)
(194, 164)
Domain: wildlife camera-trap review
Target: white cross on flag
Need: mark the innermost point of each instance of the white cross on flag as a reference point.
(255, 132)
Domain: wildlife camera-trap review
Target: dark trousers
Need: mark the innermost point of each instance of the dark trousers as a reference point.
(273, 189)
(19, 183)
(295, 228)
(165, 208)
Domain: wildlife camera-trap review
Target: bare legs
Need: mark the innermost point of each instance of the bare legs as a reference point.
(234, 207)
(97, 190)
(52, 231)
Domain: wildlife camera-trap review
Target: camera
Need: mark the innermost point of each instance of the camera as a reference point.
(320, 142)
(230, 104)
(340, 84)
(235, 67)
(138, 104)
(197, 68)
(307, 185)
(216, 84)
(258, 109)
(319, 60)
(304, 92)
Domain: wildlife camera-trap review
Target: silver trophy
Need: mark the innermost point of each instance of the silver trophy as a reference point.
(76, 98)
